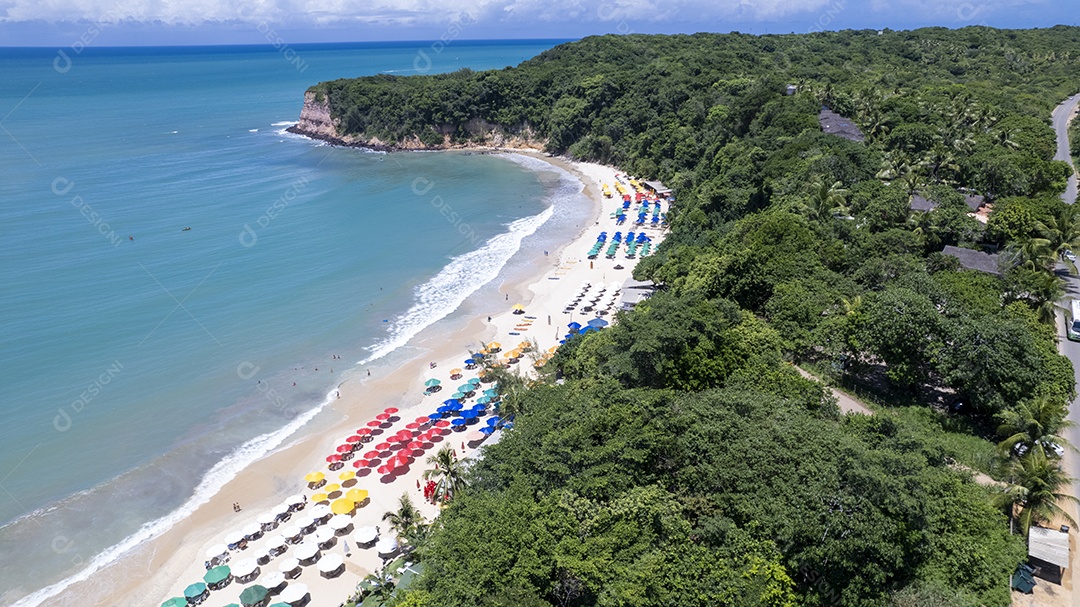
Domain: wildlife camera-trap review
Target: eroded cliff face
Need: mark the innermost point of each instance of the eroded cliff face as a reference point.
(317, 123)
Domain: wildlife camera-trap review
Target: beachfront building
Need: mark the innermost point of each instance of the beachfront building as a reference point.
(975, 260)
(658, 189)
(635, 292)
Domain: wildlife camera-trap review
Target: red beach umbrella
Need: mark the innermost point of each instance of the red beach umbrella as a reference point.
(416, 445)
(360, 463)
(374, 423)
(346, 448)
(371, 454)
(354, 439)
(442, 423)
(390, 410)
(423, 419)
(363, 431)
(412, 426)
(385, 469)
(382, 416)
(382, 446)
(333, 458)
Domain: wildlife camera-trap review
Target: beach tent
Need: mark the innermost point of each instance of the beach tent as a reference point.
(253, 595)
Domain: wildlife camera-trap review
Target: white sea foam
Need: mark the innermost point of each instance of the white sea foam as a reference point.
(253, 130)
(217, 477)
(284, 123)
(465, 274)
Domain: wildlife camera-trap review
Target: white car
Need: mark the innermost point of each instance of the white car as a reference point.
(1070, 255)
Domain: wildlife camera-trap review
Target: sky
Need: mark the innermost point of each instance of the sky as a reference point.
(63, 23)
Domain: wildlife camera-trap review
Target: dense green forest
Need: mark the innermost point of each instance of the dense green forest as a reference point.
(683, 460)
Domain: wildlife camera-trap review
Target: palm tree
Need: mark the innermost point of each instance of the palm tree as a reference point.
(826, 199)
(448, 471)
(1036, 488)
(1034, 424)
(1061, 233)
(1035, 254)
(406, 520)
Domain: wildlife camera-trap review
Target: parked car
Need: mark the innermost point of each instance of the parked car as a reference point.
(1070, 255)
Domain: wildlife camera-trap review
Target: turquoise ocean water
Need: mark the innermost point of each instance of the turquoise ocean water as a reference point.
(132, 347)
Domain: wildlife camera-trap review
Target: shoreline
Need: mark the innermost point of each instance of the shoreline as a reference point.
(171, 555)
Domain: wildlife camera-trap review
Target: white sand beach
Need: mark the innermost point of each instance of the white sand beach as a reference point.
(172, 561)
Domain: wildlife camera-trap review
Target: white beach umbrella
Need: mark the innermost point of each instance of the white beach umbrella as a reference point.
(216, 551)
(280, 510)
(304, 521)
(288, 565)
(387, 545)
(295, 593)
(292, 532)
(331, 562)
(267, 518)
(366, 535)
(339, 522)
(245, 567)
(234, 537)
(252, 531)
(295, 500)
(323, 535)
(321, 511)
(276, 541)
(306, 551)
(273, 581)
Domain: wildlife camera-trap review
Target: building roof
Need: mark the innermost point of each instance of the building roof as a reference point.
(974, 260)
(920, 203)
(835, 124)
(1049, 545)
(974, 201)
(658, 187)
(636, 291)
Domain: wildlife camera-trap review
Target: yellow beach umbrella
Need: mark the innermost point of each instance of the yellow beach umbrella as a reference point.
(552, 349)
(318, 497)
(517, 307)
(455, 371)
(314, 477)
(342, 506)
(357, 495)
(347, 475)
(524, 345)
(332, 487)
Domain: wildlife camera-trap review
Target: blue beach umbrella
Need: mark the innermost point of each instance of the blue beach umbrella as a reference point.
(455, 407)
(458, 422)
(574, 326)
(487, 429)
(494, 421)
(437, 415)
(451, 401)
(598, 322)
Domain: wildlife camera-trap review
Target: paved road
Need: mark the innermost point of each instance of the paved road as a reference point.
(1071, 460)
(1060, 116)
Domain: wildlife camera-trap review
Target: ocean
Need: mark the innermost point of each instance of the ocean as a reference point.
(170, 253)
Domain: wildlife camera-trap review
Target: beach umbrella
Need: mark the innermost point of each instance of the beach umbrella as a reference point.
(360, 463)
(176, 601)
(574, 326)
(355, 438)
(245, 567)
(253, 595)
(383, 446)
(442, 423)
(314, 477)
(423, 419)
(487, 430)
(333, 458)
(366, 535)
(365, 431)
(437, 415)
(273, 581)
(374, 423)
(276, 541)
(517, 307)
(459, 395)
(475, 381)
(217, 550)
(491, 392)
(371, 454)
(457, 423)
(266, 519)
(390, 410)
(431, 383)
(357, 495)
(494, 345)
(382, 416)
(318, 497)
(348, 475)
(346, 448)
(339, 522)
(483, 400)
(294, 593)
(320, 512)
(323, 535)
(342, 506)
(598, 322)
(412, 426)
(195, 590)
(332, 487)
(292, 532)
(465, 388)
(305, 551)
(387, 545)
(252, 531)
(331, 563)
(455, 371)
(288, 564)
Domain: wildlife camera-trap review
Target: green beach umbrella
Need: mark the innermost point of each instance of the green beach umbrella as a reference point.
(281, 605)
(457, 395)
(194, 590)
(232, 605)
(253, 595)
(176, 601)
(465, 388)
(491, 393)
(217, 574)
(431, 383)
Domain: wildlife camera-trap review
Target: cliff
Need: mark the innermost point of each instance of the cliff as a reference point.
(317, 122)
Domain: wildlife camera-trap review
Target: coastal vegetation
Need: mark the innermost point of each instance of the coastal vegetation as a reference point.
(681, 458)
